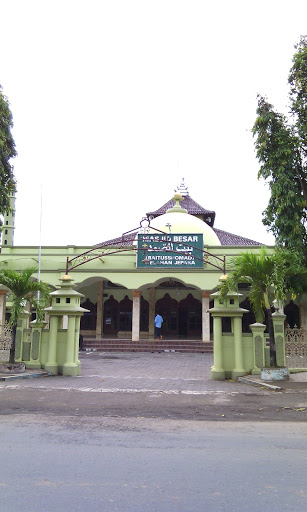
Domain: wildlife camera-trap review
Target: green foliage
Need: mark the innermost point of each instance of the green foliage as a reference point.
(23, 289)
(7, 151)
(257, 271)
(298, 92)
(269, 276)
(281, 148)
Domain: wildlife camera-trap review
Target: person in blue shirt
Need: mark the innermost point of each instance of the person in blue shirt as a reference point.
(158, 325)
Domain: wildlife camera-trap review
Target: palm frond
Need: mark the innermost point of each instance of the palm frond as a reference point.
(23, 287)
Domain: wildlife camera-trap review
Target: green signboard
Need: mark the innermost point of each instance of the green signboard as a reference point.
(170, 251)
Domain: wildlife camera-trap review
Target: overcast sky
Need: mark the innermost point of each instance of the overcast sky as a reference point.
(115, 101)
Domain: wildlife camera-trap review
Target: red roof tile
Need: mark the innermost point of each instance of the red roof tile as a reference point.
(224, 237)
(190, 205)
(231, 239)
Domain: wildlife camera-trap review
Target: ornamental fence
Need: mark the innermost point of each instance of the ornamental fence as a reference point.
(5, 341)
(296, 347)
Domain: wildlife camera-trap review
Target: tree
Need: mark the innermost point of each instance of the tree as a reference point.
(267, 275)
(23, 289)
(7, 151)
(281, 148)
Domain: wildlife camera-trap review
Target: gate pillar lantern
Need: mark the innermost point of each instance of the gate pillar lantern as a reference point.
(65, 302)
(221, 350)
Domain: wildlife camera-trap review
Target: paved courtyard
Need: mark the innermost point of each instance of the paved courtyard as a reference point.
(166, 372)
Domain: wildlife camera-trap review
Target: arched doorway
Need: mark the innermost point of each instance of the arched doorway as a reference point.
(168, 308)
(117, 316)
(110, 317)
(125, 314)
(88, 320)
(189, 318)
(180, 319)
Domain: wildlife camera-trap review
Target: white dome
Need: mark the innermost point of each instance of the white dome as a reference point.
(181, 222)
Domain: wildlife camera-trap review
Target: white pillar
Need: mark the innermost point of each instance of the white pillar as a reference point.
(136, 308)
(205, 316)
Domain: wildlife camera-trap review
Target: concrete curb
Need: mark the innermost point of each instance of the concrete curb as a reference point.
(263, 384)
(25, 375)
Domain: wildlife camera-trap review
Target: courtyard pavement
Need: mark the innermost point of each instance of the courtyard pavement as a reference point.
(165, 372)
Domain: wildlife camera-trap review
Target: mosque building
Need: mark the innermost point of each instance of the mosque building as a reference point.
(170, 264)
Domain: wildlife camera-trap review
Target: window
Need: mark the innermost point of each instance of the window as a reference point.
(68, 300)
(58, 300)
(231, 301)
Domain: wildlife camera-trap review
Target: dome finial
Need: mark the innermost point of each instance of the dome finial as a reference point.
(177, 208)
(183, 189)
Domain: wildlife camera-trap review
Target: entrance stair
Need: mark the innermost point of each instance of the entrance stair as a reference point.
(126, 345)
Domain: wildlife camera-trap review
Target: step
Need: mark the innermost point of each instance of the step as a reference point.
(147, 346)
(152, 350)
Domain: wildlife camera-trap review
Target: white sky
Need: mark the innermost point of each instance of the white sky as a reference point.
(115, 101)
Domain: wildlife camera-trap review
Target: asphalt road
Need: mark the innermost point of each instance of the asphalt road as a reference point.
(150, 432)
(131, 465)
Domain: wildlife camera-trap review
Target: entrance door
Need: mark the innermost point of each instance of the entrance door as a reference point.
(183, 321)
(168, 309)
(190, 315)
(180, 319)
(110, 317)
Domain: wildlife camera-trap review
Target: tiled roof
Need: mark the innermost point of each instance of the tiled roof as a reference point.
(224, 237)
(231, 239)
(120, 241)
(191, 206)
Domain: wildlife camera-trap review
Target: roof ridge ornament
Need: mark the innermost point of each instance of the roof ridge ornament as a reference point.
(182, 189)
(177, 208)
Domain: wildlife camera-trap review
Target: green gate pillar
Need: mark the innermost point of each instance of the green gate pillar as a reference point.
(217, 372)
(52, 365)
(279, 333)
(70, 367)
(77, 336)
(36, 339)
(259, 347)
(65, 301)
(19, 339)
(238, 370)
(230, 308)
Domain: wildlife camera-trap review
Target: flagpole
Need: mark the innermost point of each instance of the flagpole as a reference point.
(40, 242)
